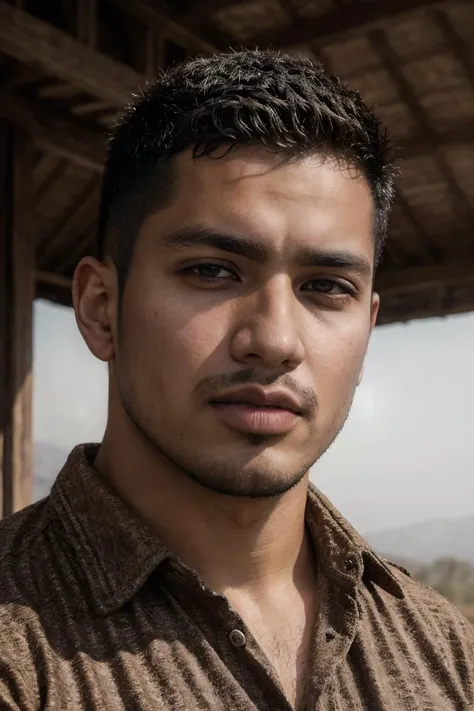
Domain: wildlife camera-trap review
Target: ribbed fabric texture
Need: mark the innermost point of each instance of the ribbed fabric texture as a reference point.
(96, 614)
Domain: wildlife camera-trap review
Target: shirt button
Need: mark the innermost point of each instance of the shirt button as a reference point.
(237, 638)
(351, 564)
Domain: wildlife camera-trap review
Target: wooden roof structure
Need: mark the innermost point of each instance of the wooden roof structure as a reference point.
(67, 66)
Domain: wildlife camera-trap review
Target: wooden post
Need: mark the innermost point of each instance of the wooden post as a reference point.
(87, 22)
(17, 291)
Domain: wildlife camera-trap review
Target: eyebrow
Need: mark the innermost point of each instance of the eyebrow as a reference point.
(252, 249)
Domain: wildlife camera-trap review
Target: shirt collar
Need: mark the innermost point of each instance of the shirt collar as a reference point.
(117, 552)
(342, 551)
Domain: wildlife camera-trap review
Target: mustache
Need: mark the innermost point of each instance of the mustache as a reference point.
(211, 385)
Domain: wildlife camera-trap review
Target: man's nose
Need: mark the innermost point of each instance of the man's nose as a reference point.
(268, 332)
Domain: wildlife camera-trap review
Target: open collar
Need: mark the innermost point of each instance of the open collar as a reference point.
(117, 551)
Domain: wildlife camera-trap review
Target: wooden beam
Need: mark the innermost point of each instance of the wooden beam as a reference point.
(413, 279)
(19, 75)
(17, 290)
(54, 132)
(402, 314)
(423, 143)
(91, 107)
(52, 279)
(5, 398)
(391, 62)
(324, 27)
(54, 294)
(86, 21)
(456, 43)
(289, 9)
(39, 44)
(427, 248)
(52, 180)
(198, 11)
(151, 65)
(58, 90)
(161, 17)
(81, 206)
(86, 245)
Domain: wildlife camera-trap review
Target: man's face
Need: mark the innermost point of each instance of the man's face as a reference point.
(246, 318)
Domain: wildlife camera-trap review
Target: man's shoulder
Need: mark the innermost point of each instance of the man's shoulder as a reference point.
(20, 530)
(425, 607)
(23, 553)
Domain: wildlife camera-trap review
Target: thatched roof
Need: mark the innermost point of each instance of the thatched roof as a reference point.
(67, 66)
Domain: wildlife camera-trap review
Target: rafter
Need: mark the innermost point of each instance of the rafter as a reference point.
(455, 42)
(161, 16)
(390, 313)
(88, 242)
(86, 16)
(59, 90)
(290, 10)
(52, 279)
(81, 206)
(326, 26)
(41, 45)
(55, 132)
(390, 61)
(426, 247)
(408, 280)
(201, 10)
(17, 74)
(422, 143)
(51, 181)
(90, 107)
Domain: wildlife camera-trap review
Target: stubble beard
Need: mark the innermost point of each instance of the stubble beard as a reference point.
(222, 477)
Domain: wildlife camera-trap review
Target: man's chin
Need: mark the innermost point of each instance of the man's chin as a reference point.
(263, 475)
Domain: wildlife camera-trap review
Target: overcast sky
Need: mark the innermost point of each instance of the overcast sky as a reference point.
(406, 454)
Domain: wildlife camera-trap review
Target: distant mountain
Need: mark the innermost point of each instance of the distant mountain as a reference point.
(48, 461)
(428, 541)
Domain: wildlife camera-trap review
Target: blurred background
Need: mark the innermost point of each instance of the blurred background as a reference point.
(402, 470)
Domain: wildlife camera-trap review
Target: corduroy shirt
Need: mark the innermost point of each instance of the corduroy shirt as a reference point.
(95, 614)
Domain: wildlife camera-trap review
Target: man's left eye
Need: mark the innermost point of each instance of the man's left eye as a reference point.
(211, 271)
(325, 286)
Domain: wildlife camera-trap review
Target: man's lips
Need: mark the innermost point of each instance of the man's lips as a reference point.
(259, 397)
(257, 411)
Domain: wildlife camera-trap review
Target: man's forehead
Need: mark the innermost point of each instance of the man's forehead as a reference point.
(251, 168)
(250, 191)
(287, 227)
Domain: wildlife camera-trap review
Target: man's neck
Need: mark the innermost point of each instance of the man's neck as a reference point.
(231, 542)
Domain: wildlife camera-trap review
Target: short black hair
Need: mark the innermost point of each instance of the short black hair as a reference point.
(284, 103)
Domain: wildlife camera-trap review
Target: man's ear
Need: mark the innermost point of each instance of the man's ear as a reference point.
(94, 295)
(374, 310)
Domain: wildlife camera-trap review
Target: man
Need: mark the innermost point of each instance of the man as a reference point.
(185, 563)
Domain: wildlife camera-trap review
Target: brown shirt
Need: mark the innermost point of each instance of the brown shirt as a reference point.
(96, 614)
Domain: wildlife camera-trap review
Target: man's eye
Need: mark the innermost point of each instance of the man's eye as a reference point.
(211, 271)
(326, 286)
